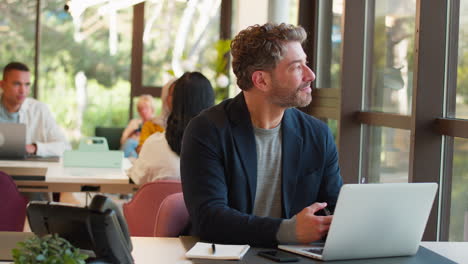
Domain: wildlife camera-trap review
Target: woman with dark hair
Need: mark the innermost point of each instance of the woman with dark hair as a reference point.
(159, 156)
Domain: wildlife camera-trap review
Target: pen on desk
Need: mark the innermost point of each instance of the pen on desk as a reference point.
(213, 248)
(327, 212)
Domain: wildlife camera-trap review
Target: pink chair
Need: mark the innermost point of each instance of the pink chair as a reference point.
(12, 205)
(172, 216)
(142, 210)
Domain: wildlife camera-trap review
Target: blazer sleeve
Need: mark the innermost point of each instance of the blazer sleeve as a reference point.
(332, 181)
(207, 187)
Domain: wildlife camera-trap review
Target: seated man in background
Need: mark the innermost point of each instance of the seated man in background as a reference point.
(158, 123)
(131, 135)
(43, 136)
(255, 170)
(159, 156)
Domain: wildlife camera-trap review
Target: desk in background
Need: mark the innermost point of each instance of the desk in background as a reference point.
(53, 177)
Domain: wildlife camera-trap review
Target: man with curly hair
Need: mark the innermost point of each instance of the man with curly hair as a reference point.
(255, 170)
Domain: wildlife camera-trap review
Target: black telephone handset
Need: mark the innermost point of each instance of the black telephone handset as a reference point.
(111, 231)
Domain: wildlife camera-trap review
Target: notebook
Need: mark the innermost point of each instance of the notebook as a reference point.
(217, 251)
(374, 220)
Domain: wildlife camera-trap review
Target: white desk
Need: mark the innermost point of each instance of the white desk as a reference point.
(171, 251)
(61, 179)
(456, 251)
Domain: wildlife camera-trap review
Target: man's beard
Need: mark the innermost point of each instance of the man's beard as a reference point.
(289, 99)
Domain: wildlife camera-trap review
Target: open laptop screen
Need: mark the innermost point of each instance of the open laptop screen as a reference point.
(375, 220)
(12, 141)
(13, 144)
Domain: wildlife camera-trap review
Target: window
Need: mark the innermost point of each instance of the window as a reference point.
(328, 69)
(17, 32)
(180, 36)
(391, 60)
(84, 64)
(387, 151)
(459, 192)
(84, 52)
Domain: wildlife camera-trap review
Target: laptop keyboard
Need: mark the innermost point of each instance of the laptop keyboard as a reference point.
(318, 251)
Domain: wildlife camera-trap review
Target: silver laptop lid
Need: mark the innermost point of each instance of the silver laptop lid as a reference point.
(12, 140)
(379, 220)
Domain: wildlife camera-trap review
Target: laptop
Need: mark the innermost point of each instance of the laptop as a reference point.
(13, 144)
(12, 141)
(374, 220)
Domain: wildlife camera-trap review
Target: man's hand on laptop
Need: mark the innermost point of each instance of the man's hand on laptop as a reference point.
(311, 227)
(31, 149)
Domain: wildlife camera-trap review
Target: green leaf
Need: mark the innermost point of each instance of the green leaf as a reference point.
(49, 249)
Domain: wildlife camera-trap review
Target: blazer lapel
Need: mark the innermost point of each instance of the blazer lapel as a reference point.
(291, 160)
(244, 138)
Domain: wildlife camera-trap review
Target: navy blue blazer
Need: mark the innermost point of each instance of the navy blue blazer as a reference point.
(219, 172)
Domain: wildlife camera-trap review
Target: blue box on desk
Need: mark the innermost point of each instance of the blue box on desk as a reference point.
(93, 159)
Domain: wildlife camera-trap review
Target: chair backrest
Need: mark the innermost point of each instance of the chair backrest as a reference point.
(142, 210)
(172, 217)
(112, 134)
(12, 205)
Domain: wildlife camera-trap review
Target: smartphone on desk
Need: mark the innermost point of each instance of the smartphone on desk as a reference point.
(278, 256)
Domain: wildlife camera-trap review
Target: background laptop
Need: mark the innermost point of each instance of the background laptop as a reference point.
(375, 220)
(12, 141)
(13, 144)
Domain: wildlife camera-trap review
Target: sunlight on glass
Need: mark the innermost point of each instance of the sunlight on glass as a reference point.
(85, 56)
(462, 71)
(178, 37)
(328, 70)
(17, 32)
(390, 69)
(458, 230)
(387, 154)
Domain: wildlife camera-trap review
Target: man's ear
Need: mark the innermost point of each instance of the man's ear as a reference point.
(261, 80)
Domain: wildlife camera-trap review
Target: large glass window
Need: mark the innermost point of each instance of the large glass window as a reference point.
(459, 198)
(181, 36)
(293, 11)
(387, 154)
(328, 69)
(390, 64)
(17, 32)
(462, 72)
(85, 65)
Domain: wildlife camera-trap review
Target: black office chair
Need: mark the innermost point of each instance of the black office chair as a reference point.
(112, 134)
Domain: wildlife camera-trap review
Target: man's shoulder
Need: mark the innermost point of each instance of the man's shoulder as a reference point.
(217, 113)
(31, 103)
(301, 119)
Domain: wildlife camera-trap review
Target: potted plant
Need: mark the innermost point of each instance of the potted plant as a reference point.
(50, 249)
